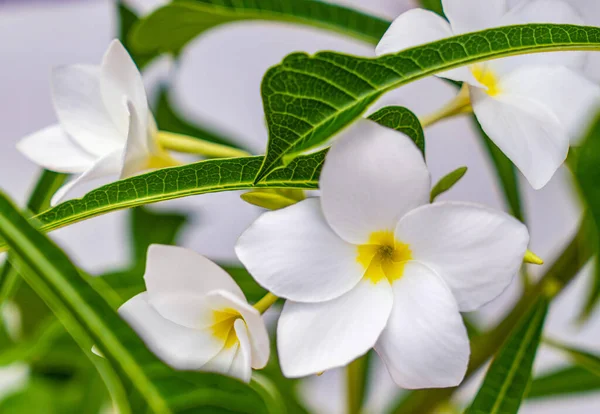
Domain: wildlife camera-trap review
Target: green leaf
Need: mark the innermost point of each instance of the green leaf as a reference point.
(564, 382)
(447, 182)
(127, 19)
(138, 381)
(509, 374)
(307, 99)
(580, 357)
(433, 5)
(171, 27)
(403, 120)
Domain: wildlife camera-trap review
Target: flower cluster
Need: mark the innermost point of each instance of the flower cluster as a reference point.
(369, 263)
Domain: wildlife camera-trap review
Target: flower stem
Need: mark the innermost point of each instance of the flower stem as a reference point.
(191, 145)
(265, 302)
(461, 104)
(356, 384)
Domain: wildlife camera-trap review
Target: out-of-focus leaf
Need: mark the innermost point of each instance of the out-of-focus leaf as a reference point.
(433, 5)
(126, 21)
(447, 182)
(138, 381)
(171, 27)
(403, 120)
(564, 382)
(269, 392)
(580, 357)
(509, 374)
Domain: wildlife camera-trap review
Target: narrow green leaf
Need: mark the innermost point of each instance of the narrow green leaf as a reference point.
(403, 120)
(447, 182)
(580, 357)
(307, 99)
(135, 372)
(564, 382)
(509, 374)
(171, 27)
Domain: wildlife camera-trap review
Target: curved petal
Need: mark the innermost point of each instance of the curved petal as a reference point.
(372, 176)
(526, 131)
(81, 111)
(52, 149)
(425, 343)
(476, 250)
(136, 157)
(257, 331)
(240, 367)
(575, 103)
(120, 81)
(467, 16)
(177, 346)
(178, 279)
(223, 361)
(293, 253)
(106, 166)
(314, 337)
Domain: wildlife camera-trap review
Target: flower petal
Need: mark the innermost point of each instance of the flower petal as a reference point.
(52, 149)
(526, 131)
(575, 103)
(223, 361)
(240, 367)
(178, 279)
(417, 27)
(314, 337)
(293, 253)
(178, 346)
(425, 343)
(372, 176)
(476, 250)
(259, 338)
(81, 111)
(109, 165)
(467, 16)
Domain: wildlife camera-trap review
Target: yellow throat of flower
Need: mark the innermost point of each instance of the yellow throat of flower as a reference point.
(383, 257)
(487, 77)
(222, 327)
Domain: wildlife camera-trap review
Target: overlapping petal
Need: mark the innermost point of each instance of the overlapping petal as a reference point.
(475, 250)
(372, 176)
(295, 254)
(425, 343)
(242, 362)
(314, 337)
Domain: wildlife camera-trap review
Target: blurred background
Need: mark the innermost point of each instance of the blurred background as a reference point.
(216, 82)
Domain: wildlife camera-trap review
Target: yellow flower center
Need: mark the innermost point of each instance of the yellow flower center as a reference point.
(383, 257)
(486, 77)
(222, 327)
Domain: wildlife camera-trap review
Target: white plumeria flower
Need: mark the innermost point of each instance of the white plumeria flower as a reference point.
(531, 106)
(105, 126)
(195, 317)
(371, 264)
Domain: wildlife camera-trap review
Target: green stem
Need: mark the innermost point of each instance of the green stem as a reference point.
(355, 383)
(183, 143)
(265, 302)
(461, 104)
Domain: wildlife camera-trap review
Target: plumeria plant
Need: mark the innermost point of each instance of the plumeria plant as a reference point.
(353, 259)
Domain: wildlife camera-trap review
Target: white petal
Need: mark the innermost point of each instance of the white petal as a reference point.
(52, 149)
(476, 250)
(81, 111)
(467, 16)
(315, 337)
(417, 27)
(541, 11)
(223, 361)
(176, 345)
(293, 253)
(372, 176)
(178, 279)
(259, 338)
(572, 98)
(526, 131)
(425, 343)
(240, 367)
(106, 166)
(137, 153)
(120, 81)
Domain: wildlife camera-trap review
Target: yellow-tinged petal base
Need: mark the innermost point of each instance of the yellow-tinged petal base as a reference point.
(487, 77)
(222, 327)
(383, 257)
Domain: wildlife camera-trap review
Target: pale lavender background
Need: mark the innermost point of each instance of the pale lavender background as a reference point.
(219, 81)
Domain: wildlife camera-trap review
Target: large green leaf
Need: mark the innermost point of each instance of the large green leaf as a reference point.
(509, 374)
(309, 98)
(171, 27)
(564, 382)
(138, 381)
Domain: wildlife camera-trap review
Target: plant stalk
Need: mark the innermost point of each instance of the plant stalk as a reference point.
(183, 143)
(461, 104)
(265, 302)
(356, 384)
